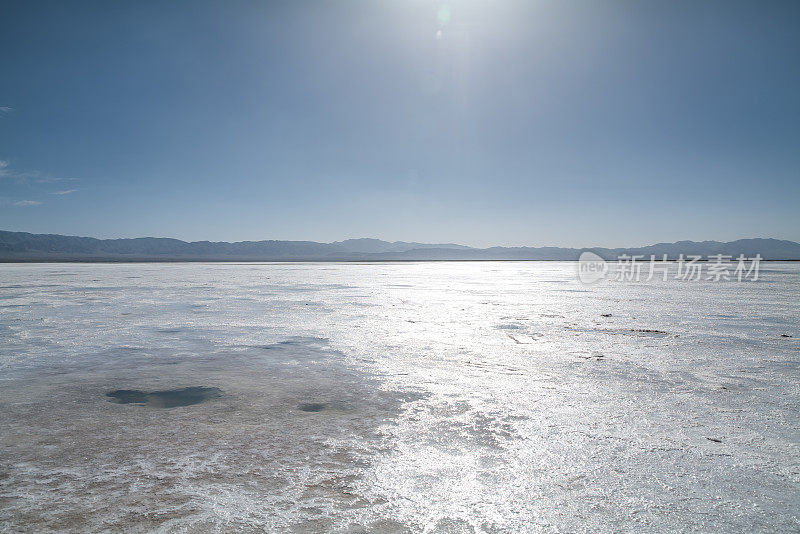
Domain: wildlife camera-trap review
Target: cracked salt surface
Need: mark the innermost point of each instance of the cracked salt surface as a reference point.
(451, 397)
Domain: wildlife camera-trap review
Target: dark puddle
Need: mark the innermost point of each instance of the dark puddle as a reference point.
(169, 330)
(168, 398)
(313, 407)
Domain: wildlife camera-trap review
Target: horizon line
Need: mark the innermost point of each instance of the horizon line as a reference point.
(428, 244)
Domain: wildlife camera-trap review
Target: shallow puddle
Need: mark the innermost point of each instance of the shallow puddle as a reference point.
(312, 407)
(168, 398)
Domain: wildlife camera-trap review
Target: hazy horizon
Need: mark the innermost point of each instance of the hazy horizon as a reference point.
(578, 242)
(583, 246)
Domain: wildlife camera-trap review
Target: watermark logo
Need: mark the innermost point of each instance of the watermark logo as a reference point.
(715, 268)
(591, 268)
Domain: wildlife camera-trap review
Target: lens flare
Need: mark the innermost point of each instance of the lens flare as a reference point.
(443, 15)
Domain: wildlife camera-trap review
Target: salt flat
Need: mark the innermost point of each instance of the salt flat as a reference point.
(441, 397)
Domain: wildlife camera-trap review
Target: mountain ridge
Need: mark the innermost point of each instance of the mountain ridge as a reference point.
(28, 247)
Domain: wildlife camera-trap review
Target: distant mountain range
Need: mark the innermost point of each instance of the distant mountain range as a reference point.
(25, 247)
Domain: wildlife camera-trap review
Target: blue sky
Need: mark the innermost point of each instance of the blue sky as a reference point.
(570, 123)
